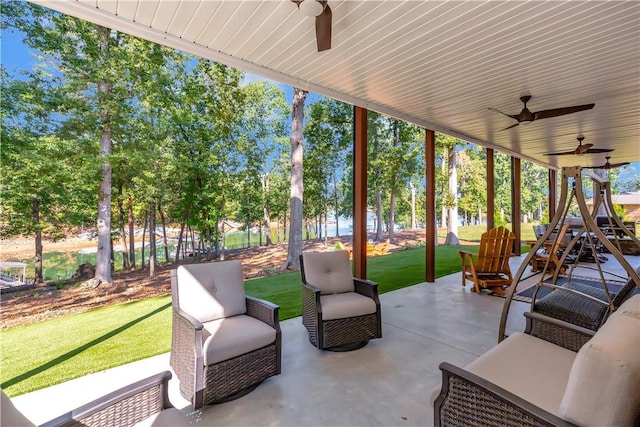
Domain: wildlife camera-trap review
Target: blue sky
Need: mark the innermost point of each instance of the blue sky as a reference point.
(16, 56)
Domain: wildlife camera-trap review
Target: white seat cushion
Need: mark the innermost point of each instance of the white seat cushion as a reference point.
(211, 291)
(170, 417)
(528, 367)
(346, 304)
(604, 386)
(234, 336)
(328, 271)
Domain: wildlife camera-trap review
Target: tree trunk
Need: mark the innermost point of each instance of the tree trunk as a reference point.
(132, 237)
(379, 221)
(453, 190)
(297, 188)
(185, 215)
(152, 239)
(103, 255)
(123, 236)
(335, 203)
(443, 214)
(144, 235)
(265, 208)
(392, 216)
(164, 231)
(413, 205)
(224, 242)
(35, 209)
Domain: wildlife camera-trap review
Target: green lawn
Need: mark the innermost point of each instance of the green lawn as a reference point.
(40, 355)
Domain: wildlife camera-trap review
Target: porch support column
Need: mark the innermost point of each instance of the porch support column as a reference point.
(491, 190)
(360, 192)
(553, 192)
(430, 208)
(516, 196)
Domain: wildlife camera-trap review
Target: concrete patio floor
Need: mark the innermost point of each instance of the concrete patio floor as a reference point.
(390, 382)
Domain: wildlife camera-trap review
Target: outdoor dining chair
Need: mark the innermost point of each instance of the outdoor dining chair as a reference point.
(340, 312)
(224, 343)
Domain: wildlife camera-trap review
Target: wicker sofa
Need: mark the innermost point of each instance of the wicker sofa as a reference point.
(528, 381)
(142, 404)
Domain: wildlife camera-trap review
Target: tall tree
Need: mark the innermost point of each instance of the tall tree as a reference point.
(449, 144)
(294, 249)
(91, 61)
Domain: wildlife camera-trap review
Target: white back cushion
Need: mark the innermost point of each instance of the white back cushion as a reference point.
(604, 384)
(630, 307)
(211, 291)
(328, 271)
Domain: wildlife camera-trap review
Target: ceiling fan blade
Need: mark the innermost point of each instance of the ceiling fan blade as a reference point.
(563, 153)
(599, 150)
(555, 112)
(607, 166)
(513, 116)
(512, 126)
(617, 165)
(323, 29)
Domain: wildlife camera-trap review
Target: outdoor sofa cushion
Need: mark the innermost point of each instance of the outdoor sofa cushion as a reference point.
(604, 385)
(529, 367)
(234, 336)
(346, 304)
(210, 297)
(329, 271)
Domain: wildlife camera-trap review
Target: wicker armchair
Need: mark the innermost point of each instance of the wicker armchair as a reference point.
(224, 343)
(144, 402)
(340, 312)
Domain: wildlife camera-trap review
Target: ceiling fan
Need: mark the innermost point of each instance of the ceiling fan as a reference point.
(581, 149)
(322, 12)
(608, 165)
(525, 116)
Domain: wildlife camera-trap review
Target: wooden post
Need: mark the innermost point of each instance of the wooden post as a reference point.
(516, 196)
(430, 208)
(491, 190)
(360, 193)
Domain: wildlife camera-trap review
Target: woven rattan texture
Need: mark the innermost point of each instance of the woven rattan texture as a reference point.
(469, 405)
(125, 412)
(575, 309)
(183, 354)
(558, 335)
(231, 376)
(262, 312)
(349, 330)
(310, 314)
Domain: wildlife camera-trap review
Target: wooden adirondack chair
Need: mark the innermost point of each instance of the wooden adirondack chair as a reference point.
(490, 270)
(550, 251)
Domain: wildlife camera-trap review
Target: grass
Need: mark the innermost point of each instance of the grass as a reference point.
(43, 354)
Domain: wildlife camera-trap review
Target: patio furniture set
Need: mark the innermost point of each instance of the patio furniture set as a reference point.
(225, 343)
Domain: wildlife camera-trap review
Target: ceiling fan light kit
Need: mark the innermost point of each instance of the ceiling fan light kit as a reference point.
(322, 12)
(311, 8)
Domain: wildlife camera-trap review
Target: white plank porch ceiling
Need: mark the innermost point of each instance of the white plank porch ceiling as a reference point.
(438, 64)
